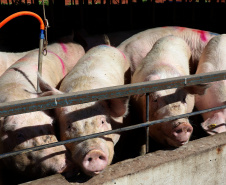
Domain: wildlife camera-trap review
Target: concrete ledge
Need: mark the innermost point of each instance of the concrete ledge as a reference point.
(202, 161)
(199, 162)
(57, 179)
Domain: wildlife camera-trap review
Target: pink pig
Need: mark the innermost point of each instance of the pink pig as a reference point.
(102, 66)
(7, 59)
(213, 59)
(32, 129)
(136, 47)
(168, 58)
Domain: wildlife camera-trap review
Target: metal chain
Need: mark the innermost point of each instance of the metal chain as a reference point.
(44, 52)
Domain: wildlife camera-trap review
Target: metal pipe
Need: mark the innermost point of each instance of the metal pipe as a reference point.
(40, 57)
(44, 103)
(108, 132)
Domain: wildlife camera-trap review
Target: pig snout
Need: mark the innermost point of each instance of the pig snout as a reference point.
(94, 162)
(53, 160)
(62, 167)
(182, 133)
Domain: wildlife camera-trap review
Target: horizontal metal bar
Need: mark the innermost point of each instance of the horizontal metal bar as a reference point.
(43, 103)
(108, 132)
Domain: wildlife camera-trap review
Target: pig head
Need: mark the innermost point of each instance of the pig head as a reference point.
(30, 130)
(91, 155)
(168, 58)
(27, 130)
(167, 103)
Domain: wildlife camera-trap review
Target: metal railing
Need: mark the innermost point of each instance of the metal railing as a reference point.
(44, 103)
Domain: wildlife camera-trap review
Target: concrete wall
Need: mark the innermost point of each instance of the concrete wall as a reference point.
(202, 161)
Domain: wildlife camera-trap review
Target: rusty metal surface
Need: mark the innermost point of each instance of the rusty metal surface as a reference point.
(54, 101)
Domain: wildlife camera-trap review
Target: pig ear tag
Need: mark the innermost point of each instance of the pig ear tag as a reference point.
(212, 126)
(42, 35)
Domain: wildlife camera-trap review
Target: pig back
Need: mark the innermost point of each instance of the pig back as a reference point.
(136, 47)
(101, 66)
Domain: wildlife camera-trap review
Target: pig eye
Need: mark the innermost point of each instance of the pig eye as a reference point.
(68, 124)
(102, 121)
(20, 137)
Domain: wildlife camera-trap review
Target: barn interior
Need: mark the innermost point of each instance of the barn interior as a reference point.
(86, 21)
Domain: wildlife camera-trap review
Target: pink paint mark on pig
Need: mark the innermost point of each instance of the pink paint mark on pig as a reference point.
(62, 63)
(122, 54)
(202, 34)
(63, 47)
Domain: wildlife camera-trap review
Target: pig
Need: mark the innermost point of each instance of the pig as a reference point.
(168, 58)
(7, 59)
(136, 47)
(102, 66)
(213, 59)
(19, 82)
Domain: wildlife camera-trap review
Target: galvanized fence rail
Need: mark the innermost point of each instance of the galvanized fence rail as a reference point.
(44, 103)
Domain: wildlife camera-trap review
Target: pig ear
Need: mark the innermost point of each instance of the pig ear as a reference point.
(214, 125)
(46, 89)
(199, 89)
(118, 106)
(137, 96)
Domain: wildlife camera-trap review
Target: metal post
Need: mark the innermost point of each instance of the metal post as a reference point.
(147, 120)
(40, 57)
